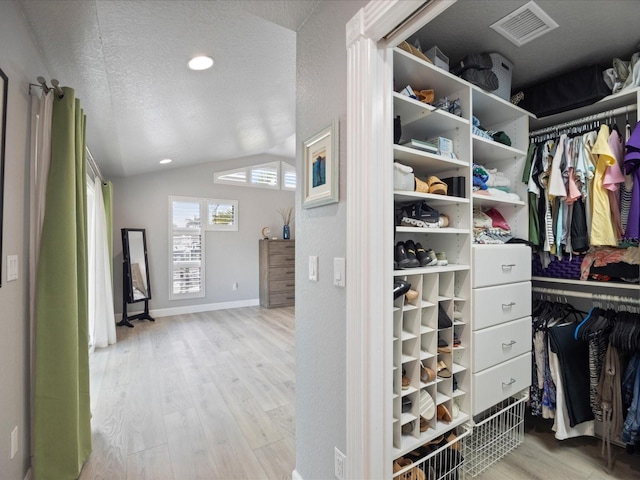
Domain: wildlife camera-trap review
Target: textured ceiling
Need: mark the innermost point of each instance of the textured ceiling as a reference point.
(127, 63)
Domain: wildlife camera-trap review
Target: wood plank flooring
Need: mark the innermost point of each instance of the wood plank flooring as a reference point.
(211, 396)
(199, 396)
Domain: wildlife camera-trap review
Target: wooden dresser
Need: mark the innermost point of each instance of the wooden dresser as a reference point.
(277, 273)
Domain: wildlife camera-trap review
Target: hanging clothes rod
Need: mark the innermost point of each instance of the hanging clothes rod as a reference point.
(93, 165)
(591, 296)
(46, 89)
(583, 120)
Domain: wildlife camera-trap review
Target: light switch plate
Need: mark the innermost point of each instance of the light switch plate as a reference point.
(338, 272)
(313, 268)
(12, 268)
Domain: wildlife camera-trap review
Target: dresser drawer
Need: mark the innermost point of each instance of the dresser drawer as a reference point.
(282, 259)
(496, 305)
(500, 382)
(282, 273)
(497, 344)
(282, 286)
(500, 264)
(282, 299)
(282, 248)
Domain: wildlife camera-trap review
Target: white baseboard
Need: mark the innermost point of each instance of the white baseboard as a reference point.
(208, 307)
(296, 476)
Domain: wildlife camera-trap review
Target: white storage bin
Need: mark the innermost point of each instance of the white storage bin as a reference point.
(503, 69)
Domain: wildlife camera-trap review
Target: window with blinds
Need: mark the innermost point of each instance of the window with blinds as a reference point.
(275, 175)
(187, 254)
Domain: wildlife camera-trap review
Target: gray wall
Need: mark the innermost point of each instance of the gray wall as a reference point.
(320, 307)
(22, 63)
(142, 201)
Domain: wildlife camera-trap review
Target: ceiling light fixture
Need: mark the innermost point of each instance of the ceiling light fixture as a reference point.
(166, 160)
(200, 63)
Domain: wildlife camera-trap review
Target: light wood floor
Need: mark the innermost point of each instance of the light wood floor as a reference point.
(208, 396)
(542, 457)
(211, 396)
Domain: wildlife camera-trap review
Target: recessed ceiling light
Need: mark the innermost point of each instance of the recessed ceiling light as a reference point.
(166, 160)
(200, 63)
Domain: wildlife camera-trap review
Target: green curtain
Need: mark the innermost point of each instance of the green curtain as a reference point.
(62, 414)
(107, 197)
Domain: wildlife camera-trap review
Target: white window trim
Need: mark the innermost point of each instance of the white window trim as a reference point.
(203, 289)
(209, 226)
(279, 165)
(283, 171)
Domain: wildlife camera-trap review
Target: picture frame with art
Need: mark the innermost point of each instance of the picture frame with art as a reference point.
(320, 183)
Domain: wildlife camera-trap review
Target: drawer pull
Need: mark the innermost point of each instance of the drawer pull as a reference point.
(508, 265)
(505, 345)
(290, 285)
(511, 382)
(508, 305)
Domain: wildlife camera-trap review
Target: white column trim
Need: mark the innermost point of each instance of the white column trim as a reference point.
(369, 327)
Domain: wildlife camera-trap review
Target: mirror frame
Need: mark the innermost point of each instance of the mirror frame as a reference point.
(127, 276)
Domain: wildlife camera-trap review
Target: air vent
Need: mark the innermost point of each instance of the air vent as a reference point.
(524, 24)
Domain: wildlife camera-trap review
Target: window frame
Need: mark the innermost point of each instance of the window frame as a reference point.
(217, 227)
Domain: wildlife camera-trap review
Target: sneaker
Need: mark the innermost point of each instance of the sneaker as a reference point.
(419, 214)
(402, 258)
(427, 258)
(442, 259)
(410, 248)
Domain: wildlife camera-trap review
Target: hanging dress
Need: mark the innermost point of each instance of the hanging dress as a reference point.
(602, 232)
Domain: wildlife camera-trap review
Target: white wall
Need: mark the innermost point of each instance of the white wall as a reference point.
(320, 307)
(142, 201)
(22, 63)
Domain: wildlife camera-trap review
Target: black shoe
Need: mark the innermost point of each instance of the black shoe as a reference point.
(485, 79)
(410, 248)
(443, 319)
(479, 61)
(423, 256)
(402, 258)
(419, 214)
(400, 287)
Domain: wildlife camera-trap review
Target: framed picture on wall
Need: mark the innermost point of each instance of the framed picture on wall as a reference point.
(320, 180)
(4, 88)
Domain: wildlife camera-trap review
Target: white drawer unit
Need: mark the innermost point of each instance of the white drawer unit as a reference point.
(500, 343)
(500, 304)
(500, 264)
(500, 382)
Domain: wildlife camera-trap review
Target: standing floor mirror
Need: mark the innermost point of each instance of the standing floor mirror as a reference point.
(136, 286)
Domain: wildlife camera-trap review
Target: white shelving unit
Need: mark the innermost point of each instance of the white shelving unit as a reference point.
(415, 325)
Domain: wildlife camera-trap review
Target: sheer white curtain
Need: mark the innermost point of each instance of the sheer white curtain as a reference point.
(102, 326)
(41, 110)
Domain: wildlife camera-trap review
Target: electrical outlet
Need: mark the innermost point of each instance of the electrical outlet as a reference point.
(235, 286)
(340, 460)
(14, 442)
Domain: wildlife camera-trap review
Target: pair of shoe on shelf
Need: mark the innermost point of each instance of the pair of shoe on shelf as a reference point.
(432, 185)
(413, 255)
(476, 68)
(421, 215)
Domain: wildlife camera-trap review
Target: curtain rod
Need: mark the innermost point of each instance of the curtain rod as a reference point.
(93, 165)
(43, 85)
(583, 120)
(592, 296)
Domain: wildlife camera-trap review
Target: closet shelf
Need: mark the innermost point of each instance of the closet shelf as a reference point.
(486, 200)
(586, 283)
(416, 116)
(452, 267)
(407, 336)
(409, 442)
(487, 151)
(417, 230)
(424, 161)
(431, 198)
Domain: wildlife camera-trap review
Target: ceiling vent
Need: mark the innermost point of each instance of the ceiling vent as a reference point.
(524, 24)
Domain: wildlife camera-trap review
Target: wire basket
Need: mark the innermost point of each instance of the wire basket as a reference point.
(445, 462)
(500, 431)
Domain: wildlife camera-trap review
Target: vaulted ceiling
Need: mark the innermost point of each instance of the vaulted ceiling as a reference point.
(127, 61)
